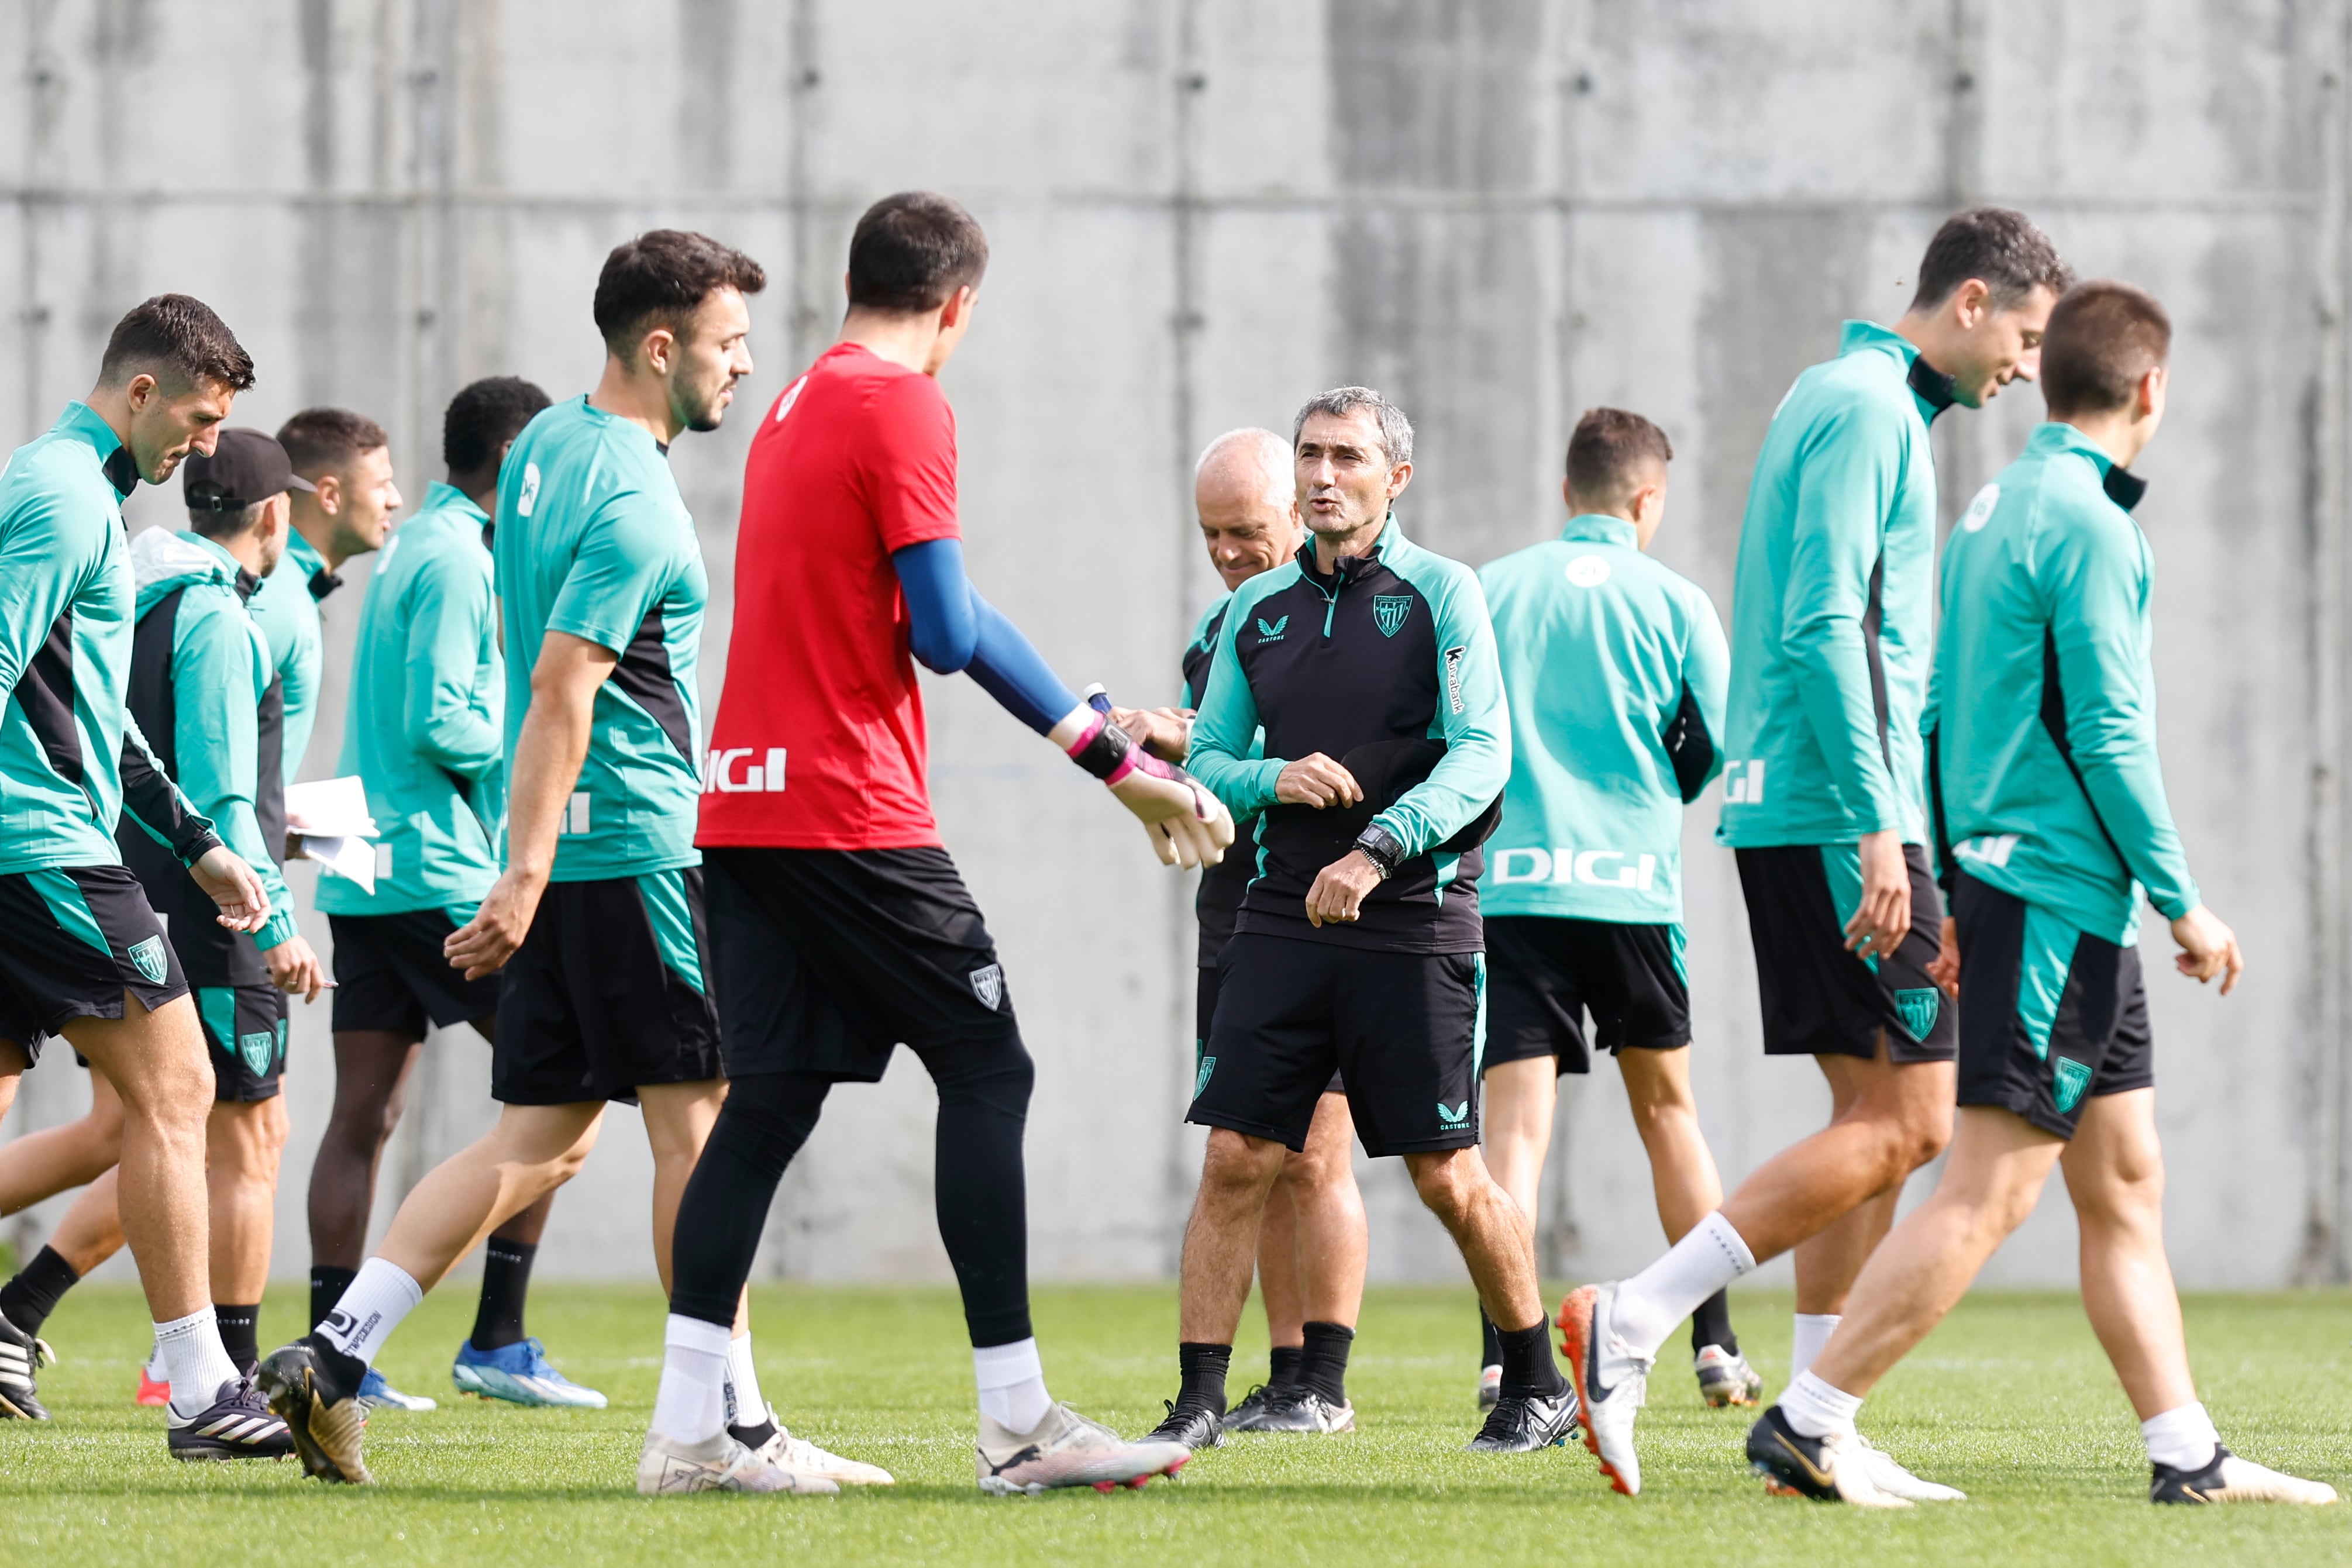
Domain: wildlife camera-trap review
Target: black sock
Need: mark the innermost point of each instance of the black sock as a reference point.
(506, 1280)
(346, 1371)
(29, 1298)
(1203, 1367)
(1323, 1368)
(1527, 1366)
(239, 1329)
(1283, 1365)
(327, 1284)
(1490, 1342)
(755, 1436)
(1711, 1324)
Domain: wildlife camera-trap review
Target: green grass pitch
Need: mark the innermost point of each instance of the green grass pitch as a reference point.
(2010, 1400)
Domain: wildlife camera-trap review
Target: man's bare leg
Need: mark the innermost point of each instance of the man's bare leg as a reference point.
(1310, 1257)
(1277, 1266)
(534, 1150)
(1521, 1099)
(1332, 1241)
(373, 1068)
(2114, 1173)
(1826, 1263)
(1221, 1239)
(57, 1159)
(1533, 1406)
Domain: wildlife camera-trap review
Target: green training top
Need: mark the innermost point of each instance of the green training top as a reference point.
(594, 540)
(1614, 668)
(1833, 607)
(424, 728)
(287, 612)
(2042, 723)
(71, 757)
(219, 672)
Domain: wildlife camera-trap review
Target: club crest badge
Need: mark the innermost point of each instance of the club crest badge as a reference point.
(988, 985)
(1389, 612)
(1921, 1008)
(1201, 1078)
(2074, 1077)
(148, 957)
(257, 1049)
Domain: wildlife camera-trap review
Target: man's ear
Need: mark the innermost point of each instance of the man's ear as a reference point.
(1969, 302)
(330, 495)
(660, 349)
(140, 391)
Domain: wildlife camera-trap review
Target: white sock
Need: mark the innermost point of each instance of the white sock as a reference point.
(1012, 1384)
(1654, 1303)
(1815, 1409)
(199, 1364)
(744, 1406)
(370, 1309)
(2183, 1439)
(1810, 1332)
(690, 1406)
(158, 1370)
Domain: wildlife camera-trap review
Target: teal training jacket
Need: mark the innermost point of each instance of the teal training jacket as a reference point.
(2041, 726)
(1831, 608)
(1614, 670)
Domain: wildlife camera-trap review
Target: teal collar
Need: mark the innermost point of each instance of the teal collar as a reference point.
(1931, 388)
(440, 495)
(1602, 529)
(2120, 484)
(239, 578)
(80, 422)
(298, 551)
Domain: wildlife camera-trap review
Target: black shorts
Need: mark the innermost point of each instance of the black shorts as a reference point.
(1204, 1013)
(1404, 1028)
(245, 1034)
(390, 975)
(607, 994)
(827, 960)
(77, 938)
(1544, 973)
(1819, 999)
(2050, 1015)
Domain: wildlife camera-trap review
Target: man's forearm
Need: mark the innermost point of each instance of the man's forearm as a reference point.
(548, 755)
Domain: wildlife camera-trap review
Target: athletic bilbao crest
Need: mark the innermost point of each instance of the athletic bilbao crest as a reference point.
(988, 985)
(2074, 1077)
(1919, 1009)
(1389, 610)
(147, 958)
(1201, 1078)
(257, 1049)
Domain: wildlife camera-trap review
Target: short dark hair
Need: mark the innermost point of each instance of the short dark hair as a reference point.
(2000, 248)
(485, 416)
(215, 525)
(1396, 430)
(322, 440)
(911, 251)
(1607, 450)
(179, 334)
(2102, 337)
(661, 277)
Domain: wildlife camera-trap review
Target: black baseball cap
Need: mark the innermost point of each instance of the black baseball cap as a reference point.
(246, 466)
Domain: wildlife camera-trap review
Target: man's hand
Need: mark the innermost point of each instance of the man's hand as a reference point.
(1316, 782)
(2208, 948)
(1165, 732)
(1882, 922)
(295, 968)
(1338, 896)
(229, 882)
(1188, 826)
(1944, 969)
(484, 944)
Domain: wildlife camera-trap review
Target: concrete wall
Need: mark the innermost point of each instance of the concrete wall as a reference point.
(1500, 211)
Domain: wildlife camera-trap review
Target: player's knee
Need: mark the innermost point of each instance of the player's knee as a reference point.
(1445, 1179)
(999, 1075)
(1236, 1164)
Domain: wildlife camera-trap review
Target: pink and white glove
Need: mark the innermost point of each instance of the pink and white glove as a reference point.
(1187, 825)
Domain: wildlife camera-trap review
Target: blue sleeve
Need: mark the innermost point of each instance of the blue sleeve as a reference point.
(953, 628)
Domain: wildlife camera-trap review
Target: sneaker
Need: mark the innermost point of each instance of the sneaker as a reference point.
(21, 1355)
(327, 1419)
(1195, 1430)
(1827, 1469)
(1065, 1449)
(1892, 1479)
(1304, 1410)
(378, 1395)
(720, 1464)
(237, 1425)
(2228, 1479)
(519, 1374)
(1244, 1417)
(1726, 1378)
(153, 1391)
(1522, 1423)
(1490, 1386)
(804, 1457)
(1606, 1407)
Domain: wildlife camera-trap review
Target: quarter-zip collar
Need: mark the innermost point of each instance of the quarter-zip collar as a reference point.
(312, 564)
(2120, 485)
(1345, 569)
(1602, 528)
(81, 422)
(1931, 388)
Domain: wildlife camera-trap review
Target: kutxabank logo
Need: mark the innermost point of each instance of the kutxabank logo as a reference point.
(1389, 610)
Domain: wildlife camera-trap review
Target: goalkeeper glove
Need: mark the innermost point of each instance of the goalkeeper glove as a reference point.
(1187, 825)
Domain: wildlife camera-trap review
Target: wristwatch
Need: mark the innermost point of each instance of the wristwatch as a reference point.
(1381, 847)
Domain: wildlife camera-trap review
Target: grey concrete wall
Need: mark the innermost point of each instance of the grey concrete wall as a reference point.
(1500, 211)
